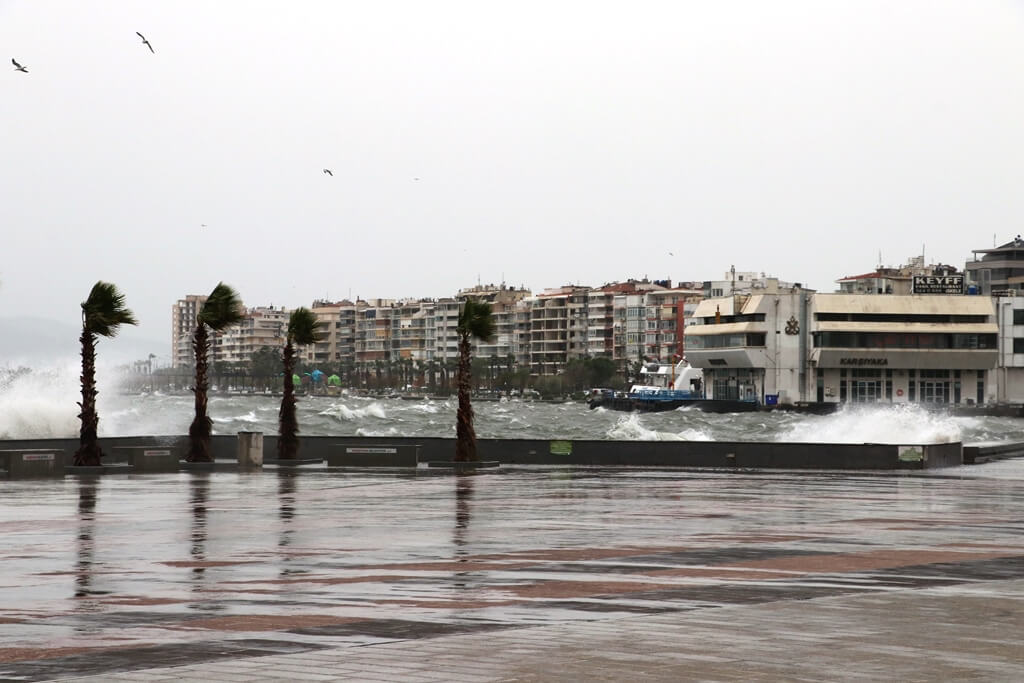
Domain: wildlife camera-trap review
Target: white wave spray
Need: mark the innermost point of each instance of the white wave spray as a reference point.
(343, 412)
(43, 404)
(629, 428)
(899, 423)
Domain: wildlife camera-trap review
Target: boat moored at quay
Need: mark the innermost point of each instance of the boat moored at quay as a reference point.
(656, 400)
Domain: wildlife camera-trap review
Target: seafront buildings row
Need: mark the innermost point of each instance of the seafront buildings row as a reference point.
(543, 332)
(915, 333)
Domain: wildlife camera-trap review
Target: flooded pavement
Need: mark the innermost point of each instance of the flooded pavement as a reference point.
(226, 570)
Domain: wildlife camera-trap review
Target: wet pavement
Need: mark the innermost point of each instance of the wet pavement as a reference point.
(516, 574)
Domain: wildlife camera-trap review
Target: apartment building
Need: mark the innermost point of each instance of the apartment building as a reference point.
(521, 333)
(183, 327)
(444, 331)
(261, 327)
(373, 332)
(601, 322)
(409, 330)
(336, 327)
(666, 313)
(504, 302)
(606, 314)
(999, 270)
(558, 328)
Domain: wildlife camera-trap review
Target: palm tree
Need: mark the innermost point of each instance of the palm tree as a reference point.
(475, 322)
(222, 309)
(302, 329)
(103, 313)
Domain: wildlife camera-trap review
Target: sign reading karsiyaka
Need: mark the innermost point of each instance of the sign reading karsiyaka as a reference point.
(938, 284)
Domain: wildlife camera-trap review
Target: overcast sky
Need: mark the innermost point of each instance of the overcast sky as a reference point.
(537, 142)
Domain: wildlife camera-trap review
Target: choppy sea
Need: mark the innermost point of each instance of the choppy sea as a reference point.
(43, 405)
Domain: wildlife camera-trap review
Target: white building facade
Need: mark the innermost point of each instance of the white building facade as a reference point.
(753, 346)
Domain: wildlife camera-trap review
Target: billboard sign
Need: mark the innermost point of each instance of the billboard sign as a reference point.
(938, 284)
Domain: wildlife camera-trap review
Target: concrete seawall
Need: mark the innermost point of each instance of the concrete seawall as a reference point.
(686, 454)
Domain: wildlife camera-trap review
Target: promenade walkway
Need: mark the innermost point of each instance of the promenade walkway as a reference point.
(528, 574)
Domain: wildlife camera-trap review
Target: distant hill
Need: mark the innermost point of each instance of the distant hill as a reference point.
(37, 342)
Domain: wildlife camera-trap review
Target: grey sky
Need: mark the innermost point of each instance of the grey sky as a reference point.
(554, 142)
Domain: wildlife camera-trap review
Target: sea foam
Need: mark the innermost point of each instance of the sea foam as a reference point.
(629, 428)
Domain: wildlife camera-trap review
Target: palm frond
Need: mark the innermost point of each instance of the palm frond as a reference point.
(302, 326)
(222, 309)
(103, 312)
(476, 320)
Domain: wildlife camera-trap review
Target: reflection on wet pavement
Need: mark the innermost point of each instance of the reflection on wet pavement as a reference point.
(127, 572)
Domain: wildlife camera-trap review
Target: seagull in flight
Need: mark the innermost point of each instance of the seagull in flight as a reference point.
(145, 42)
(18, 67)
(328, 172)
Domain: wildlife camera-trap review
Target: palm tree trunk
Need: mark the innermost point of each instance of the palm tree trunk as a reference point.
(199, 432)
(465, 436)
(89, 452)
(287, 424)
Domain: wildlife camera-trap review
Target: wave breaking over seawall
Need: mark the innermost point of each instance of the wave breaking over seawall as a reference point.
(43, 404)
(899, 423)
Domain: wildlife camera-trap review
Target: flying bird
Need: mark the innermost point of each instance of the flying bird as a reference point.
(145, 42)
(18, 67)
(328, 172)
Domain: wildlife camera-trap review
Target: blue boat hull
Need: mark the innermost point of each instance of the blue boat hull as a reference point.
(652, 405)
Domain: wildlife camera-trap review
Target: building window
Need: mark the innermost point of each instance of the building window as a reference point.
(1018, 316)
(888, 340)
(1018, 344)
(721, 341)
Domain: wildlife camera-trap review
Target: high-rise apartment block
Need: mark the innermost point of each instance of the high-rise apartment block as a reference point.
(183, 327)
(262, 326)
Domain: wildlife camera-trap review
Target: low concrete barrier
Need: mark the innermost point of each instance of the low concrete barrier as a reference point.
(687, 454)
(712, 454)
(149, 458)
(374, 455)
(977, 453)
(32, 462)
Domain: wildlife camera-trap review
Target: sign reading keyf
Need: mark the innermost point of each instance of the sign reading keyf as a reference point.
(938, 284)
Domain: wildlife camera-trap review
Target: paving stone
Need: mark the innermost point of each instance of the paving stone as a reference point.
(591, 575)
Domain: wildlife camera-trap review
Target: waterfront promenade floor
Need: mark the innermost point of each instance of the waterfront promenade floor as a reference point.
(528, 574)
